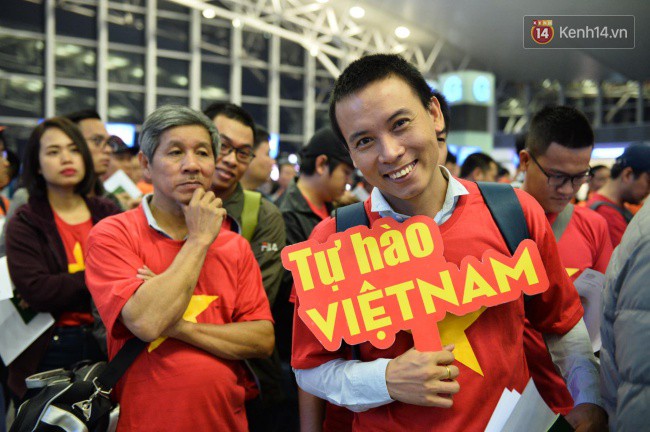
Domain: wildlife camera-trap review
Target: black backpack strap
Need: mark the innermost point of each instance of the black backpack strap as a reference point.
(350, 216)
(347, 217)
(120, 363)
(506, 211)
(627, 215)
(562, 221)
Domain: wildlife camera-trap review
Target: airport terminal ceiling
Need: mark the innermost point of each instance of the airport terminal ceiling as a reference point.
(444, 36)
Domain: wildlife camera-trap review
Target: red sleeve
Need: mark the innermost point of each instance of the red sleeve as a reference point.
(558, 309)
(252, 302)
(603, 242)
(111, 269)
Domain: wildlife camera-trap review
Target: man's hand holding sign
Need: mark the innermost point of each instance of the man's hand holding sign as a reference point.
(366, 285)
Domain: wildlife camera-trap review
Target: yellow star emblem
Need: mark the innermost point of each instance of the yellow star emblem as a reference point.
(572, 271)
(78, 255)
(198, 303)
(452, 331)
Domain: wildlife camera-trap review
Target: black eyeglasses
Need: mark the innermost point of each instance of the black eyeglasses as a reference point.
(243, 154)
(100, 141)
(559, 180)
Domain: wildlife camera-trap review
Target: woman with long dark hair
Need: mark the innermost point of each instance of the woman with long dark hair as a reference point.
(46, 243)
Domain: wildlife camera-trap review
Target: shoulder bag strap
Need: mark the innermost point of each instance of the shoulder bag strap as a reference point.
(506, 211)
(250, 214)
(562, 221)
(120, 363)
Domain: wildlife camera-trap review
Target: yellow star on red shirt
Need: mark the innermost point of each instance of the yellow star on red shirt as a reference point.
(198, 303)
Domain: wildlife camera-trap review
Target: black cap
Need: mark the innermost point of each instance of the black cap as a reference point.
(325, 142)
(637, 157)
(119, 147)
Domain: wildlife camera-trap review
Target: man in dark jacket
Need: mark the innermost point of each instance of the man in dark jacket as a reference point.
(259, 221)
(325, 170)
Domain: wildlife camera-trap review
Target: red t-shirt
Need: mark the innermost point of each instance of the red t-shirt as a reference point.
(584, 244)
(175, 386)
(495, 337)
(615, 221)
(74, 242)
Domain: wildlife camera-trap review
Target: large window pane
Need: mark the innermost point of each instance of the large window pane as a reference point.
(255, 82)
(173, 35)
(215, 81)
(322, 119)
(129, 28)
(323, 88)
(21, 97)
(75, 61)
(126, 107)
(258, 111)
(291, 53)
(81, 24)
(13, 13)
(256, 45)
(21, 55)
(215, 41)
(70, 99)
(291, 120)
(173, 73)
(125, 68)
(291, 86)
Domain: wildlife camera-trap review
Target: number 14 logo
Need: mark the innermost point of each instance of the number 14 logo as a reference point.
(542, 31)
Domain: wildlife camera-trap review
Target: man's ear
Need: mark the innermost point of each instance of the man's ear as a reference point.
(478, 174)
(524, 160)
(321, 164)
(436, 114)
(627, 175)
(146, 166)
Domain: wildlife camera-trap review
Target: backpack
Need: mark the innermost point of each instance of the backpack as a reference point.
(627, 215)
(76, 400)
(500, 199)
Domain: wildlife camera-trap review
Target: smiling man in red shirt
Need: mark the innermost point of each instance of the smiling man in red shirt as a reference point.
(383, 109)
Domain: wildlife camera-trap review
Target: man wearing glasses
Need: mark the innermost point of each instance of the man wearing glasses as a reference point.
(261, 223)
(556, 163)
(94, 131)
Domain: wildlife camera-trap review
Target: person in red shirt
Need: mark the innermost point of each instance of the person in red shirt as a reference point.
(203, 309)
(382, 108)
(556, 163)
(629, 183)
(46, 242)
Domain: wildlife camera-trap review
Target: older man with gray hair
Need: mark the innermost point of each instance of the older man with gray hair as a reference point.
(168, 273)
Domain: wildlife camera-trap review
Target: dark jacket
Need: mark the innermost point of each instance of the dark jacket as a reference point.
(39, 269)
(267, 244)
(300, 221)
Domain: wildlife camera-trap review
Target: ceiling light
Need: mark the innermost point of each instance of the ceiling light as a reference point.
(313, 50)
(236, 23)
(402, 32)
(357, 12)
(209, 13)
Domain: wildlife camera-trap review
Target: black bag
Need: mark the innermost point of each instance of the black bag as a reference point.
(77, 400)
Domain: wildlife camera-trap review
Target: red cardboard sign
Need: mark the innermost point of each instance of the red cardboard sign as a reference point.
(367, 284)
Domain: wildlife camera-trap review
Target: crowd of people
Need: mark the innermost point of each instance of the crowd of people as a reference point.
(194, 267)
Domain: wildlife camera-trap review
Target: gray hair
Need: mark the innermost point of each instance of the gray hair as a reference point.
(169, 116)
